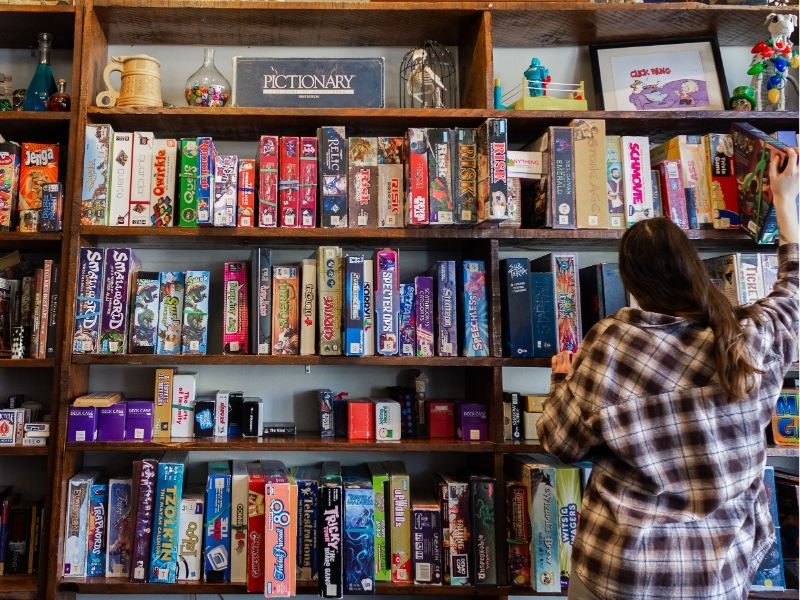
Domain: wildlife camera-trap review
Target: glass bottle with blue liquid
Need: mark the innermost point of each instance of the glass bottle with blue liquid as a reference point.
(43, 84)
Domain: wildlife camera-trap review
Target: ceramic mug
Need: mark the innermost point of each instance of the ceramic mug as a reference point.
(140, 82)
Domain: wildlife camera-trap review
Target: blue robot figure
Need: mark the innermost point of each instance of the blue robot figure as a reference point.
(537, 77)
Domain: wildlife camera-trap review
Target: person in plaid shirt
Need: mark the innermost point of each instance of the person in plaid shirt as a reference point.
(670, 403)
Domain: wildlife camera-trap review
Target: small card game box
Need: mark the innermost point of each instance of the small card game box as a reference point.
(139, 420)
(52, 206)
(252, 417)
(184, 395)
(360, 420)
(426, 542)
(387, 420)
(472, 422)
(204, 410)
(326, 429)
(81, 424)
(441, 420)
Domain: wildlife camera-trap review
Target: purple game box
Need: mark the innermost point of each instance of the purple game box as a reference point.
(423, 293)
(407, 322)
(446, 337)
(120, 266)
(139, 420)
(111, 423)
(472, 422)
(82, 424)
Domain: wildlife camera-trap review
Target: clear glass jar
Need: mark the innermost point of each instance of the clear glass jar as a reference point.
(207, 86)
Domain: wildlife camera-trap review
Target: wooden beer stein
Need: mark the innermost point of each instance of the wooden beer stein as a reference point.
(140, 82)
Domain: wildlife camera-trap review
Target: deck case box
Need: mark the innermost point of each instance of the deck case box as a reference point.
(441, 419)
(111, 423)
(82, 424)
(472, 422)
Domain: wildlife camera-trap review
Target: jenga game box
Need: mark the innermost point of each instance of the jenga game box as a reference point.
(309, 179)
(38, 166)
(9, 182)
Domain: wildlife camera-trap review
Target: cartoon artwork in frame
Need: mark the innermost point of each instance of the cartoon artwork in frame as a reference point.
(674, 75)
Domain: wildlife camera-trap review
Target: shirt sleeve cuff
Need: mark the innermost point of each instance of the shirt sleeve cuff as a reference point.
(556, 377)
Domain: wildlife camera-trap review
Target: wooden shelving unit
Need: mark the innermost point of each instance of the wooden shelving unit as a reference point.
(19, 587)
(474, 29)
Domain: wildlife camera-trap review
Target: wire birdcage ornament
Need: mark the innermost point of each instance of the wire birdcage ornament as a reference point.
(428, 77)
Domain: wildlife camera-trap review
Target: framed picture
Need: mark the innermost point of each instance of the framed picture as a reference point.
(664, 75)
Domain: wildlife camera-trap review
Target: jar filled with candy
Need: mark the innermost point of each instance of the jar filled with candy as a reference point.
(207, 86)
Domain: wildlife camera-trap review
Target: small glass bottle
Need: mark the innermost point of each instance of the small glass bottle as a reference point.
(60, 101)
(42, 85)
(207, 86)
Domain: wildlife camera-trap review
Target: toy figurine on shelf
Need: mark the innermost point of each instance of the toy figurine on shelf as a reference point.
(427, 75)
(538, 77)
(542, 92)
(770, 65)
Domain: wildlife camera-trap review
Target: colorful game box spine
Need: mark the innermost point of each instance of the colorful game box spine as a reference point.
(246, 193)
(722, 180)
(359, 531)
(398, 491)
(188, 183)
(52, 205)
(221, 415)
(416, 170)
(326, 425)
(268, 181)
(194, 336)
(750, 280)
(423, 312)
(591, 202)
(329, 294)
(543, 313)
(331, 531)
(307, 479)
(562, 178)
(426, 543)
(369, 307)
(98, 522)
(390, 182)
(184, 396)
(121, 170)
(162, 189)
(564, 268)
(474, 308)
(380, 481)
(162, 400)
(96, 174)
(752, 153)
(568, 502)
(206, 160)
(387, 301)
(673, 195)
(516, 309)
(785, 418)
(280, 535)
(88, 302)
(289, 182)
(518, 534)
(446, 312)
(261, 299)
(465, 177)
(407, 320)
(454, 504)
(483, 540)
(226, 175)
(615, 190)
(166, 512)
(354, 305)
(190, 530)
(362, 201)
(636, 178)
(492, 171)
(217, 530)
(234, 333)
(690, 151)
(118, 542)
(170, 312)
(440, 176)
(286, 310)
(76, 528)
(308, 307)
(333, 173)
(255, 527)
(144, 488)
(9, 181)
(38, 164)
(309, 181)
(141, 178)
(544, 525)
(121, 266)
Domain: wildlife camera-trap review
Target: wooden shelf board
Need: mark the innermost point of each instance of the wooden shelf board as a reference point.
(21, 24)
(777, 595)
(252, 359)
(304, 441)
(523, 25)
(523, 447)
(26, 363)
(18, 587)
(15, 240)
(246, 124)
(284, 24)
(23, 450)
(98, 585)
(790, 451)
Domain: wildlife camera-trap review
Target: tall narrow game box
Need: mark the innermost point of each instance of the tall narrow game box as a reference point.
(474, 309)
(516, 312)
(280, 535)
(246, 193)
(440, 176)
(167, 504)
(96, 174)
(446, 313)
(141, 178)
(255, 527)
(190, 530)
(289, 182)
(636, 178)
(591, 201)
(206, 161)
(170, 312)
(722, 180)
(261, 299)
(615, 190)
(268, 181)
(407, 323)
(195, 312)
(416, 170)
(97, 525)
(120, 171)
(690, 151)
(145, 473)
(492, 171)
(285, 316)
(380, 481)
(188, 182)
(307, 479)
(426, 543)
(331, 512)
(217, 530)
(454, 504)
(387, 301)
(329, 305)
(333, 174)
(143, 325)
(239, 492)
(308, 307)
(369, 307)
(309, 181)
(120, 522)
(234, 333)
(362, 182)
(359, 531)
(88, 301)
(226, 175)
(423, 310)
(390, 182)
(465, 177)
(162, 189)
(483, 542)
(564, 268)
(398, 492)
(121, 267)
(77, 523)
(354, 305)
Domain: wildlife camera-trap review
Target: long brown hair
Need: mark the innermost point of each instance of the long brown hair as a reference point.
(663, 271)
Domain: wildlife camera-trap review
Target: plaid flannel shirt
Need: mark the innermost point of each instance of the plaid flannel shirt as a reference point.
(676, 506)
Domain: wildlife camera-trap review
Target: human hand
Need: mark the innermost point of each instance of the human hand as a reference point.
(784, 185)
(561, 363)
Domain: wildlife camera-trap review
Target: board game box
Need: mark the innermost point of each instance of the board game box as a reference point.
(309, 181)
(246, 193)
(289, 182)
(170, 312)
(206, 161)
(465, 178)
(162, 190)
(234, 332)
(96, 174)
(121, 265)
(362, 182)
(226, 175)
(416, 175)
(285, 315)
(329, 294)
(195, 312)
(120, 170)
(390, 182)
(333, 171)
(88, 301)
(268, 181)
(188, 179)
(120, 522)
